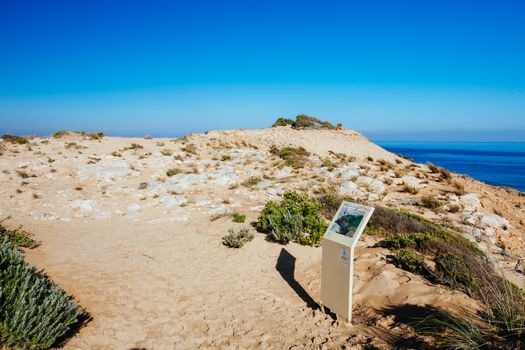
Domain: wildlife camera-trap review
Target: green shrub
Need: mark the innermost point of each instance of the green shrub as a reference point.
(296, 218)
(390, 221)
(410, 261)
(237, 239)
(239, 218)
(60, 133)
(282, 122)
(295, 157)
(18, 237)
(454, 270)
(20, 140)
(226, 157)
(35, 312)
(94, 135)
(303, 121)
(430, 202)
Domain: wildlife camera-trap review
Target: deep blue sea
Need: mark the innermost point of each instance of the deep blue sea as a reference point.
(496, 163)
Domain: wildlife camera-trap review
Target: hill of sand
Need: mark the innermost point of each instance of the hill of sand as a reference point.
(138, 251)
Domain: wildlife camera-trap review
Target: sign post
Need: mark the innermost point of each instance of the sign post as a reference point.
(337, 266)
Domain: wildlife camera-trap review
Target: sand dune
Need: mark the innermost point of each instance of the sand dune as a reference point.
(137, 249)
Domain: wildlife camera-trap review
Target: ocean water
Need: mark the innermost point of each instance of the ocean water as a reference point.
(496, 163)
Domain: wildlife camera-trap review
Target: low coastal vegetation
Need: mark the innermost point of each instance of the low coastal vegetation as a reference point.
(295, 157)
(91, 135)
(303, 121)
(17, 237)
(237, 239)
(19, 140)
(36, 313)
(444, 257)
(297, 218)
(239, 218)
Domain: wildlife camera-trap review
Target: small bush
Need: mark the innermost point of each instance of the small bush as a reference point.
(36, 313)
(303, 121)
(73, 145)
(190, 148)
(295, 157)
(173, 171)
(296, 218)
(390, 221)
(459, 189)
(282, 122)
(133, 146)
(20, 140)
(22, 173)
(94, 135)
(410, 189)
(433, 168)
(237, 239)
(445, 174)
(60, 134)
(18, 237)
(454, 270)
(430, 202)
(251, 181)
(410, 261)
(239, 218)
(226, 157)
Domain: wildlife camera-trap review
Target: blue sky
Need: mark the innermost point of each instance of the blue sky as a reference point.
(391, 69)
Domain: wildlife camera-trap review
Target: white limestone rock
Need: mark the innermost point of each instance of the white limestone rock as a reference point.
(377, 187)
(168, 200)
(470, 202)
(364, 180)
(410, 182)
(349, 188)
(84, 205)
(493, 221)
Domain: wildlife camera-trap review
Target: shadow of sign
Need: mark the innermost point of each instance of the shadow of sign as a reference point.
(286, 267)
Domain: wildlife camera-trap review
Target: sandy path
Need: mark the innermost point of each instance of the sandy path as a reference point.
(154, 286)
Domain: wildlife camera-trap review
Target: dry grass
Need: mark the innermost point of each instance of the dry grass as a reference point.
(295, 157)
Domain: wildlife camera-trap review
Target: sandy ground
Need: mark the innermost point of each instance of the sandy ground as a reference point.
(149, 266)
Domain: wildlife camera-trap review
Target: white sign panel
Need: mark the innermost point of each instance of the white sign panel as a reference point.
(338, 257)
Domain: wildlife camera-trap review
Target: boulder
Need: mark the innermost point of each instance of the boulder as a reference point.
(377, 187)
(348, 188)
(493, 221)
(470, 202)
(364, 180)
(411, 182)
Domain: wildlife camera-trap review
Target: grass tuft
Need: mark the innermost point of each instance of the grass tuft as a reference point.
(295, 157)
